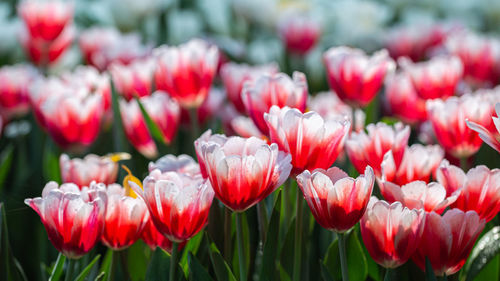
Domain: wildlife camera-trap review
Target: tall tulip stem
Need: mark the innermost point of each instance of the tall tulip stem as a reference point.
(298, 238)
(241, 254)
(69, 270)
(227, 234)
(343, 258)
(174, 260)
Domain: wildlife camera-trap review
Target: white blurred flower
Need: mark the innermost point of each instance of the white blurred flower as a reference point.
(128, 14)
(258, 11)
(216, 14)
(183, 25)
(261, 51)
(9, 29)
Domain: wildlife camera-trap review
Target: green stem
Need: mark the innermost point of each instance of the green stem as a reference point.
(227, 234)
(112, 269)
(241, 254)
(262, 214)
(174, 260)
(298, 238)
(343, 259)
(69, 270)
(464, 164)
(287, 208)
(193, 117)
(388, 274)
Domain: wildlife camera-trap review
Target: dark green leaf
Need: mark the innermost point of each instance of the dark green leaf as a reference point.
(51, 162)
(325, 274)
(105, 265)
(159, 265)
(429, 272)
(356, 260)
(490, 271)
(58, 268)
(85, 272)
(137, 260)
(485, 250)
(10, 269)
(191, 247)
(222, 270)
(5, 163)
(196, 270)
(153, 128)
(269, 257)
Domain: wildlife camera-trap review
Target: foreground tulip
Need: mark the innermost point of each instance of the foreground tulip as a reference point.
(164, 111)
(14, 85)
(273, 89)
(244, 171)
(336, 200)
(489, 136)
(354, 76)
(436, 78)
(235, 75)
(418, 195)
(369, 149)
(206, 137)
(299, 32)
(391, 232)
(448, 121)
(479, 188)
(447, 240)
(91, 168)
(134, 79)
(178, 203)
(311, 141)
(186, 72)
(74, 219)
(125, 218)
(418, 163)
(480, 56)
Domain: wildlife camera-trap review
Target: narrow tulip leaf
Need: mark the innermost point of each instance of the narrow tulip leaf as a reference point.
(287, 249)
(137, 260)
(105, 265)
(191, 247)
(10, 268)
(356, 260)
(324, 273)
(5, 163)
(159, 265)
(153, 128)
(284, 276)
(429, 272)
(196, 270)
(221, 268)
(270, 253)
(58, 268)
(85, 272)
(51, 162)
(491, 271)
(485, 251)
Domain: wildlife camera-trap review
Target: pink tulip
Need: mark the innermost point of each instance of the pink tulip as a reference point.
(86, 170)
(134, 79)
(299, 32)
(14, 89)
(491, 136)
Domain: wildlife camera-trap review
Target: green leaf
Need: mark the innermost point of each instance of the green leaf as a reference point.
(85, 272)
(137, 260)
(118, 131)
(58, 268)
(191, 247)
(5, 163)
(284, 276)
(196, 270)
(325, 274)
(485, 250)
(429, 272)
(356, 260)
(51, 162)
(490, 271)
(10, 268)
(159, 265)
(105, 265)
(153, 128)
(269, 257)
(221, 268)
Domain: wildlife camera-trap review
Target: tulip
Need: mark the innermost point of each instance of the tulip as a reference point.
(419, 195)
(273, 89)
(489, 136)
(126, 216)
(153, 238)
(170, 163)
(480, 56)
(206, 137)
(448, 121)
(403, 100)
(391, 232)
(244, 171)
(207, 110)
(447, 240)
(14, 90)
(42, 53)
(186, 72)
(101, 46)
(73, 219)
(354, 76)
(418, 163)
(436, 78)
(162, 110)
(369, 149)
(134, 79)
(299, 33)
(234, 75)
(312, 142)
(178, 203)
(91, 168)
(479, 188)
(336, 200)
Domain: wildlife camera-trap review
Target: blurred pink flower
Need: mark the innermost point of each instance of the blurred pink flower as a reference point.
(83, 171)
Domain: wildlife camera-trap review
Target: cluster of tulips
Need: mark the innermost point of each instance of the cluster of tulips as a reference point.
(426, 201)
